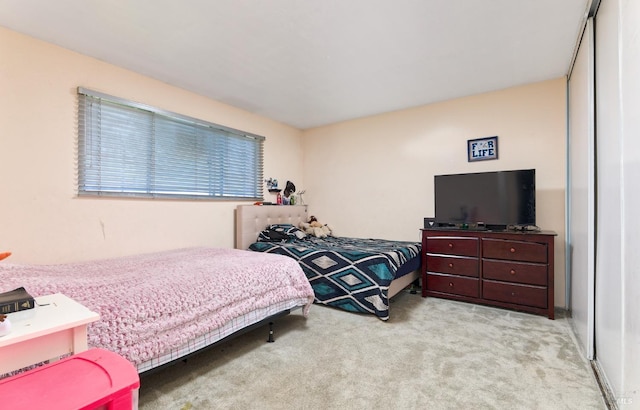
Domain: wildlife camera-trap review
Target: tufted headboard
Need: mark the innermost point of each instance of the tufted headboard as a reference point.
(252, 219)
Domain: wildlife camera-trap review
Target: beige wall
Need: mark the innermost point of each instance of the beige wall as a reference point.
(42, 219)
(373, 177)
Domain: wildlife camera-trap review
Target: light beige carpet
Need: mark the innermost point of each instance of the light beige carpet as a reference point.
(431, 354)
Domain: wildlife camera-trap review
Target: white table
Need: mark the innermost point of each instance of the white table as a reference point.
(55, 327)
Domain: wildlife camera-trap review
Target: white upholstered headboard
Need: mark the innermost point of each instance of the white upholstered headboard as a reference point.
(252, 219)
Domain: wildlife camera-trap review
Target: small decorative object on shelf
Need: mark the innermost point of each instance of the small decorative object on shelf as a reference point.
(272, 185)
(289, 189)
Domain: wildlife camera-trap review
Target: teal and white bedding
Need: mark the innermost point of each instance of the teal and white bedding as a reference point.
(348, 273)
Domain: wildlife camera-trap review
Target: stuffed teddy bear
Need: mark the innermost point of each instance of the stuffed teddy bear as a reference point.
(314, 222)
(315, 228)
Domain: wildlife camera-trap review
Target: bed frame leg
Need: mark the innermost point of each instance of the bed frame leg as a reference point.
(415, 285)
(270, 339)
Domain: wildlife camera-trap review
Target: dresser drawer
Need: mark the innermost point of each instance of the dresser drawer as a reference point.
(455, 265)
(455, 285)
(517, 294)
(514, 250)
(517, 272)
(453, 245)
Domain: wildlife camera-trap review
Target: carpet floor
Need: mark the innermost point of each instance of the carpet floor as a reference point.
(431, 354)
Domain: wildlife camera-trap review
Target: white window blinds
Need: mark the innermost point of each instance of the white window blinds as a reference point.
(129, 149)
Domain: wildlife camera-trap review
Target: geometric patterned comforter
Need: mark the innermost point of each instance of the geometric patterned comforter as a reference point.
(348, 273)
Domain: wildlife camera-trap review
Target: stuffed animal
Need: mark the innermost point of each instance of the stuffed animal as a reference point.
(314, 222)
(315, 228)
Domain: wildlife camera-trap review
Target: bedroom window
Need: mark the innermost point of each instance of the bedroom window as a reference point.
(127, 149)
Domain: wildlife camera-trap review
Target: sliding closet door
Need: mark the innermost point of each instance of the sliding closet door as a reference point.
(630, 97)
(580, 193)
(617, 27)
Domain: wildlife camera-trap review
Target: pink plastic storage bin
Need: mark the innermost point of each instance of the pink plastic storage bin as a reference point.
(93, 379)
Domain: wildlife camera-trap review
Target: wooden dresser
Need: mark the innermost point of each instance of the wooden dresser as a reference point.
(511, 270)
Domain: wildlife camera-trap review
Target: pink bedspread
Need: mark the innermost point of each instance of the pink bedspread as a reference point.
(150, 304)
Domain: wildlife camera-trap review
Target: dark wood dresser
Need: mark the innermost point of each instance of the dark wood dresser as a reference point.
(507, 269)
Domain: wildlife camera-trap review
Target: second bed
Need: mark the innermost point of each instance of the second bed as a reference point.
(354, 274)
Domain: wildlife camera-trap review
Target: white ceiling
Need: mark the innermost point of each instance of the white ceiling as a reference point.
(308, 63)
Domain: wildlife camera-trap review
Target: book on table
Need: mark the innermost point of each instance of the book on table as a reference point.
(16, 300)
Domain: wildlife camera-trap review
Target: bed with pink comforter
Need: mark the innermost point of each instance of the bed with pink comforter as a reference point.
(155, 308)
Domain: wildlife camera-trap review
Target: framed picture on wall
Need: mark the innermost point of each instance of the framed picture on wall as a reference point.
(482, 149)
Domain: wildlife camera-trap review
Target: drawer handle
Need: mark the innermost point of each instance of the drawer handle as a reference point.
(512, 250)
(450, 246)
(513, 293)
(450, 284)
(451, 265)
(512, 271)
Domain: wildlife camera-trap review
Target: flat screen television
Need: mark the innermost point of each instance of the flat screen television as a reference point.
(490, 200)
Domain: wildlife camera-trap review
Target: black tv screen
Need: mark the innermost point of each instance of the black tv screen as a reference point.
(492, 199)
